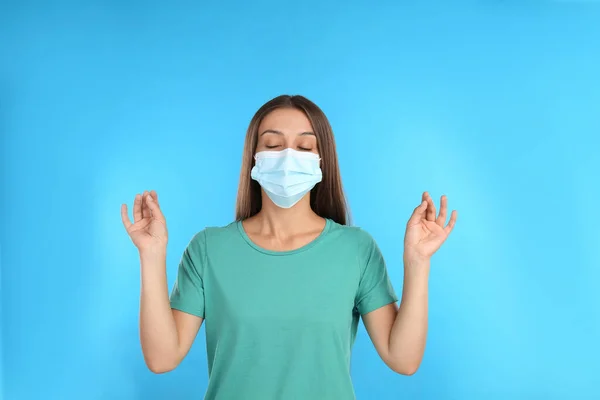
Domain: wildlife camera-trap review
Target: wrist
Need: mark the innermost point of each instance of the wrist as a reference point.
(416, 266)
(156, 255)
(414, 259)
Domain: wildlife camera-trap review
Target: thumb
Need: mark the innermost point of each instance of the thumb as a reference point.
(419, 213)
(155, 209)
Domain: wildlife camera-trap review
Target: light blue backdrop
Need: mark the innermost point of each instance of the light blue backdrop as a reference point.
(494, 103)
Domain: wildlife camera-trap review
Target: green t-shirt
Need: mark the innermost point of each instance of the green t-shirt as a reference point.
(281, 325)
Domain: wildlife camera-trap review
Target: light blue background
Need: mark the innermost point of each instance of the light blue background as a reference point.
(494, 103)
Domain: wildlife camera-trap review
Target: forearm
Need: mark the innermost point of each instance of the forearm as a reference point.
(158, 331)
(409, 331)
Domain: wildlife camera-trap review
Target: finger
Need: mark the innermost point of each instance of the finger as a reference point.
(418, 213)
(154, 196)
(124, 217)
(451, 223)
(137, 208)
(430, 208)
(146, 213)
(441, 219)
(155, 209)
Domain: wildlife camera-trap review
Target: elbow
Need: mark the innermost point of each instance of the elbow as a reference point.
(405, 368)
(160, 366)
(158, 369)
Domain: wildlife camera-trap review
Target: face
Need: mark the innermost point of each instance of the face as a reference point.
(286, 128)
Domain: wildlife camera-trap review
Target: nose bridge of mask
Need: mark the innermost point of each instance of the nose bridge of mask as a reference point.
(288, 160)
(291, 164)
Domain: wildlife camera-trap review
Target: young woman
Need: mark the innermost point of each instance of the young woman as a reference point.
(283, 287)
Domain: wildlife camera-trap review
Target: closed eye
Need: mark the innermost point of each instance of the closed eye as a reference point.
(303, 148)
(273, 147)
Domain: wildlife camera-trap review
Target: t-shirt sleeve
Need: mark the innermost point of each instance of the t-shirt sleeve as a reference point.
(188, 291)
(375, 288)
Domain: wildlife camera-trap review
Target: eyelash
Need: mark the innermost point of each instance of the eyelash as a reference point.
(276, 146)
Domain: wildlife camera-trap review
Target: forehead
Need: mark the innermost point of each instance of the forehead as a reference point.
(286, 120)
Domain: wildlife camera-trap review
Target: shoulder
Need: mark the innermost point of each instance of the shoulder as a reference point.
(358, 242)
(354, 235)
(214, 234)
(207, 240)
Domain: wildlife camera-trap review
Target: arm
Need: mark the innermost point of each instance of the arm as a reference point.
(166, 335)
(399, 334)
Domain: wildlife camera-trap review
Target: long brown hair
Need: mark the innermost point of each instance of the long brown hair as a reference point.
(327, 197)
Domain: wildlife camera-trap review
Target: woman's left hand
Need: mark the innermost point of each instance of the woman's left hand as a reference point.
(425, 232)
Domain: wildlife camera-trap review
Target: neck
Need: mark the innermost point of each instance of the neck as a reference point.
(276, 220)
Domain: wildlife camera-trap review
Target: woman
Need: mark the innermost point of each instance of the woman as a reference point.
(283, 287)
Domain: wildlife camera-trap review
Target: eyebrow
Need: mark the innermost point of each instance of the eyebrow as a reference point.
(308, 133)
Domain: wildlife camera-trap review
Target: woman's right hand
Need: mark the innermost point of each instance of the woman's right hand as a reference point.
(149, 228)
